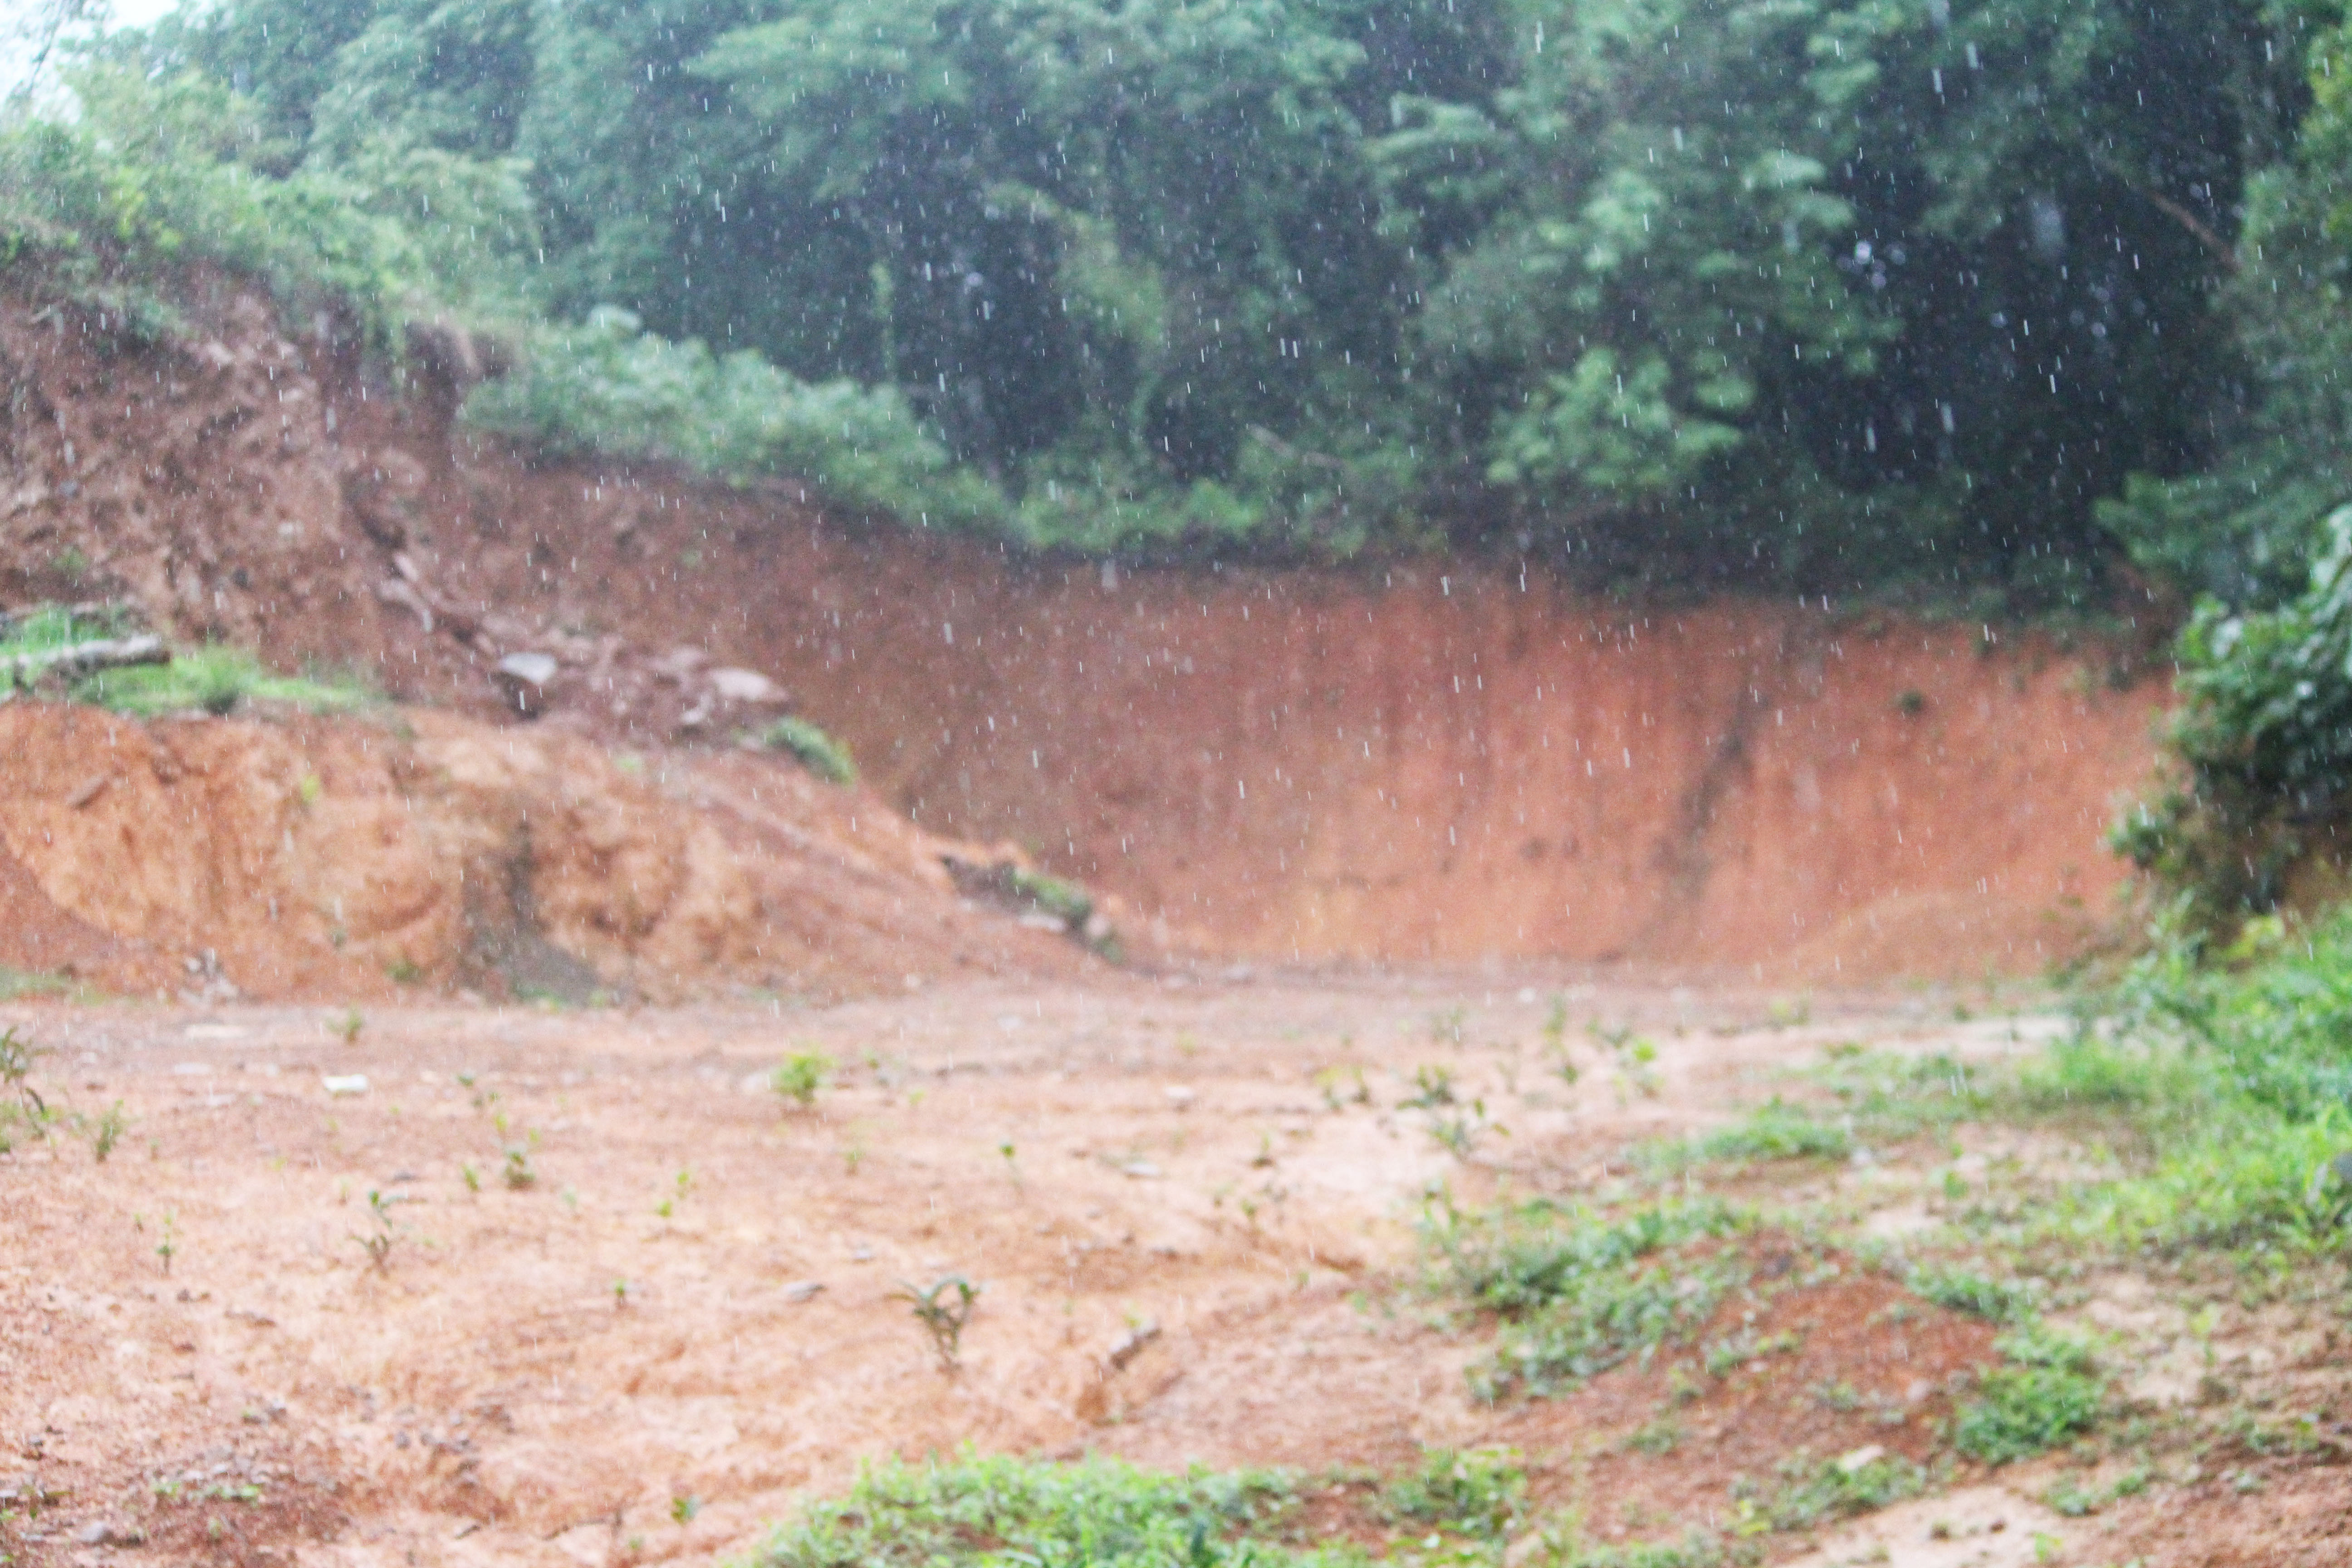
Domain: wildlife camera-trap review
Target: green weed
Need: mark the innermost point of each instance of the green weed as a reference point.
(22, 1108)
(378, 1241)
(800, 1076)
(943, 1307)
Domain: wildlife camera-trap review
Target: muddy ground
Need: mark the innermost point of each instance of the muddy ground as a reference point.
(1194, 1238)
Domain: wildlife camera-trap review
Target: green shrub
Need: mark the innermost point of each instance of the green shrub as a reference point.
(605, 386)
(110, 206)
(817, 751)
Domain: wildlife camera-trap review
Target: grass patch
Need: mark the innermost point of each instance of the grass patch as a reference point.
(2049, 1391)
(994, 1512)
(1776, 1129)
(17, 984)
(2021, 1411)
(1582, 1291)
(1476, 1492)
(2006, 1301)
(1812, 1492)
(1889, 1099)
(219, 679)
(814, 749)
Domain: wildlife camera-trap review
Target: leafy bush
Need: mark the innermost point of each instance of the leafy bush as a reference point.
(819, 752)
(2263, 742)
(1097, 1513)
(606, 386)
(112, 206)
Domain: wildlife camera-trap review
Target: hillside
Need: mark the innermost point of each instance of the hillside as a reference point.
(1400, 762)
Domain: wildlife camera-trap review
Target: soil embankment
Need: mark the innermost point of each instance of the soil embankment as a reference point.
(1397, 764)
(209, 858)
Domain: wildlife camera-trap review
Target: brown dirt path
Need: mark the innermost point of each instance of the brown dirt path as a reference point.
(539, 1373)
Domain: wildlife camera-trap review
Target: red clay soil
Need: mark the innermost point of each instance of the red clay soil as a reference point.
(350, 860)
(1396, 764)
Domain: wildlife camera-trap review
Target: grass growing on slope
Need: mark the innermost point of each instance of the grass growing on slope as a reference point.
(1580, 1290)
(2232, 1074)
(219, 681)
(809, 746)
(1000, 1512)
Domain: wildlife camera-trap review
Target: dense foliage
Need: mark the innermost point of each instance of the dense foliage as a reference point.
(1831, 293)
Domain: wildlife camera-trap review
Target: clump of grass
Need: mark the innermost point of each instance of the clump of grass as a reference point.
(1000, 1509)
(1477, 1492)
(814, 749)
(220, 680)
(1582, 1291)
(2228, 1066)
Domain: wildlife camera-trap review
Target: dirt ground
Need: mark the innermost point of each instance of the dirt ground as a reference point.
(1189, 1252)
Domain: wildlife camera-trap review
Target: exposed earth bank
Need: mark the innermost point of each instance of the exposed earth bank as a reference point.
(1393, 764)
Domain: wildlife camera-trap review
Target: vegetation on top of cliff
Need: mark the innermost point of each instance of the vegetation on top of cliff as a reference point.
(1815, 296)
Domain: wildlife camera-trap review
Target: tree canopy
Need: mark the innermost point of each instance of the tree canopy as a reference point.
(1944, 298)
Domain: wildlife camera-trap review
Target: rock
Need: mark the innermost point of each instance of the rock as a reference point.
(538, 669)
(1129, 1345)
(1859, 1458)
(745, 686)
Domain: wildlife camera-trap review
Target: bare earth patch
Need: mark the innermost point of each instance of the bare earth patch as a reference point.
(633, 1304)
